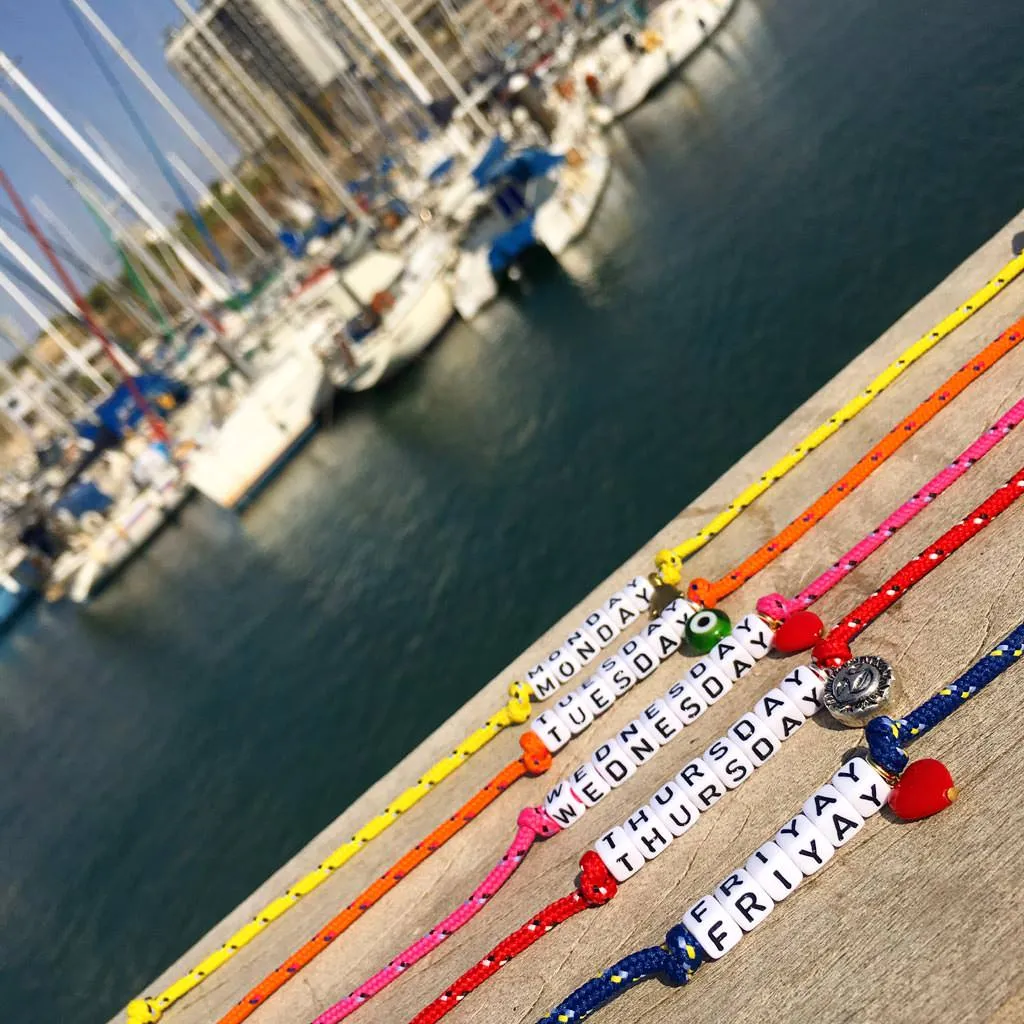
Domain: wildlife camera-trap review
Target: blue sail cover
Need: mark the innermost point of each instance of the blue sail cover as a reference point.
(510, 244)
(442, 170)
(496, 150)
(522, 166)
(118, 411)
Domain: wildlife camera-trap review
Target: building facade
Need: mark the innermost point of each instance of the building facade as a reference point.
(314, 55)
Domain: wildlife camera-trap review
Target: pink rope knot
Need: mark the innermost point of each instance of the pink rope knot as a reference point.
(597, 886)
(832, 653)
(777, 607)
(538, 821)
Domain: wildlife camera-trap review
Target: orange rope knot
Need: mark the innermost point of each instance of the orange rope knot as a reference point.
(536, 757)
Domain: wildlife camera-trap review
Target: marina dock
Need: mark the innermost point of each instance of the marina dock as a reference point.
(913, 922)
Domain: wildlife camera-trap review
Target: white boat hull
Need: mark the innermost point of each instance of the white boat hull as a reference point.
(270, 421)
(565, 216)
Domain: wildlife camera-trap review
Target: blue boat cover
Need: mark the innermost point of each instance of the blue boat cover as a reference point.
(442, 170)
(118, 411)
(83, 497)
(496, 150)
(522, 166)
(509, 244)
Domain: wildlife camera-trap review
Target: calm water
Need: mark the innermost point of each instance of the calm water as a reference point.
(815, 173)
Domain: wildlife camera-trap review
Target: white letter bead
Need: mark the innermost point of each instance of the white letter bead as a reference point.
(804, 845)
(619, 854)
(728, 762)
(833, 814)
(774, 871)
(588, 784)
(686, 701)
(803, 687)
(708, 677)
(563, 664)
(553, 732)
(675, 810)
(744, 899)
(866, 790)
(679, 612)
(574, 710)
(622, 610)
(584, 645)
(613, 763)
(564, 805)
(700, 784)
(541, 682)
(732, 658)
(713, 927)
(649, 833)
(661, 721)
(641, 590)
(663, 638)
(600, 624)
(617, 673)
(642, 660)
(598, 693)
(755, 636)
(779, 713)
(637, 741)
(756, 740)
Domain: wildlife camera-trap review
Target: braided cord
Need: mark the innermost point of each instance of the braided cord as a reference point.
(516, 711)
(669, 562)
(887, 738)
(534, 824)
(535, 760)
(779, 608)
(596, 888)
(709, 594)
(834, 650)
(680, 956)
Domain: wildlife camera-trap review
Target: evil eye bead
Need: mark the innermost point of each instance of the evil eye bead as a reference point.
(706, 629)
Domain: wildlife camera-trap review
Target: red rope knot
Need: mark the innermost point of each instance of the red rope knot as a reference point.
(538, 821)
(777, 607)
(597, 886)
(831, 652)
(536, 757)
(699, 591)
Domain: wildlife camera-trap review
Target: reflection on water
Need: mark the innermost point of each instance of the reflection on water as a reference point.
(181, 736)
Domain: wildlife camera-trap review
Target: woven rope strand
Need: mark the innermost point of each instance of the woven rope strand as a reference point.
(884, 739)
(534, 824)
(779, 608)
(709, 594)
(670, 562)
(149, 1009)
(535, 760)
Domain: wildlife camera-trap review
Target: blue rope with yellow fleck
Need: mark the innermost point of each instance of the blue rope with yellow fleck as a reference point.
(681, 955)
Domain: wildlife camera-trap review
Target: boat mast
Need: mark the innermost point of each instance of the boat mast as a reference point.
(437, 64)
(289, 132)
(82, 260)
(44, 371)
(145, 257)
(65, 301)
(58, 422)
(203, 274)
(191, 133)
(156, 424)
(206, 195)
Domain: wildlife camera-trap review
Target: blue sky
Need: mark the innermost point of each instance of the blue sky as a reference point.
(41, 38)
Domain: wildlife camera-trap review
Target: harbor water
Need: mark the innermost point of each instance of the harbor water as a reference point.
(809, 176)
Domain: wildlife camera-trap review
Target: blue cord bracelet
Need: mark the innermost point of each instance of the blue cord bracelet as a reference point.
(681, 954)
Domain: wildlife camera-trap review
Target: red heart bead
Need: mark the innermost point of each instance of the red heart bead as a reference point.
(924, 789)
(800, 632)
